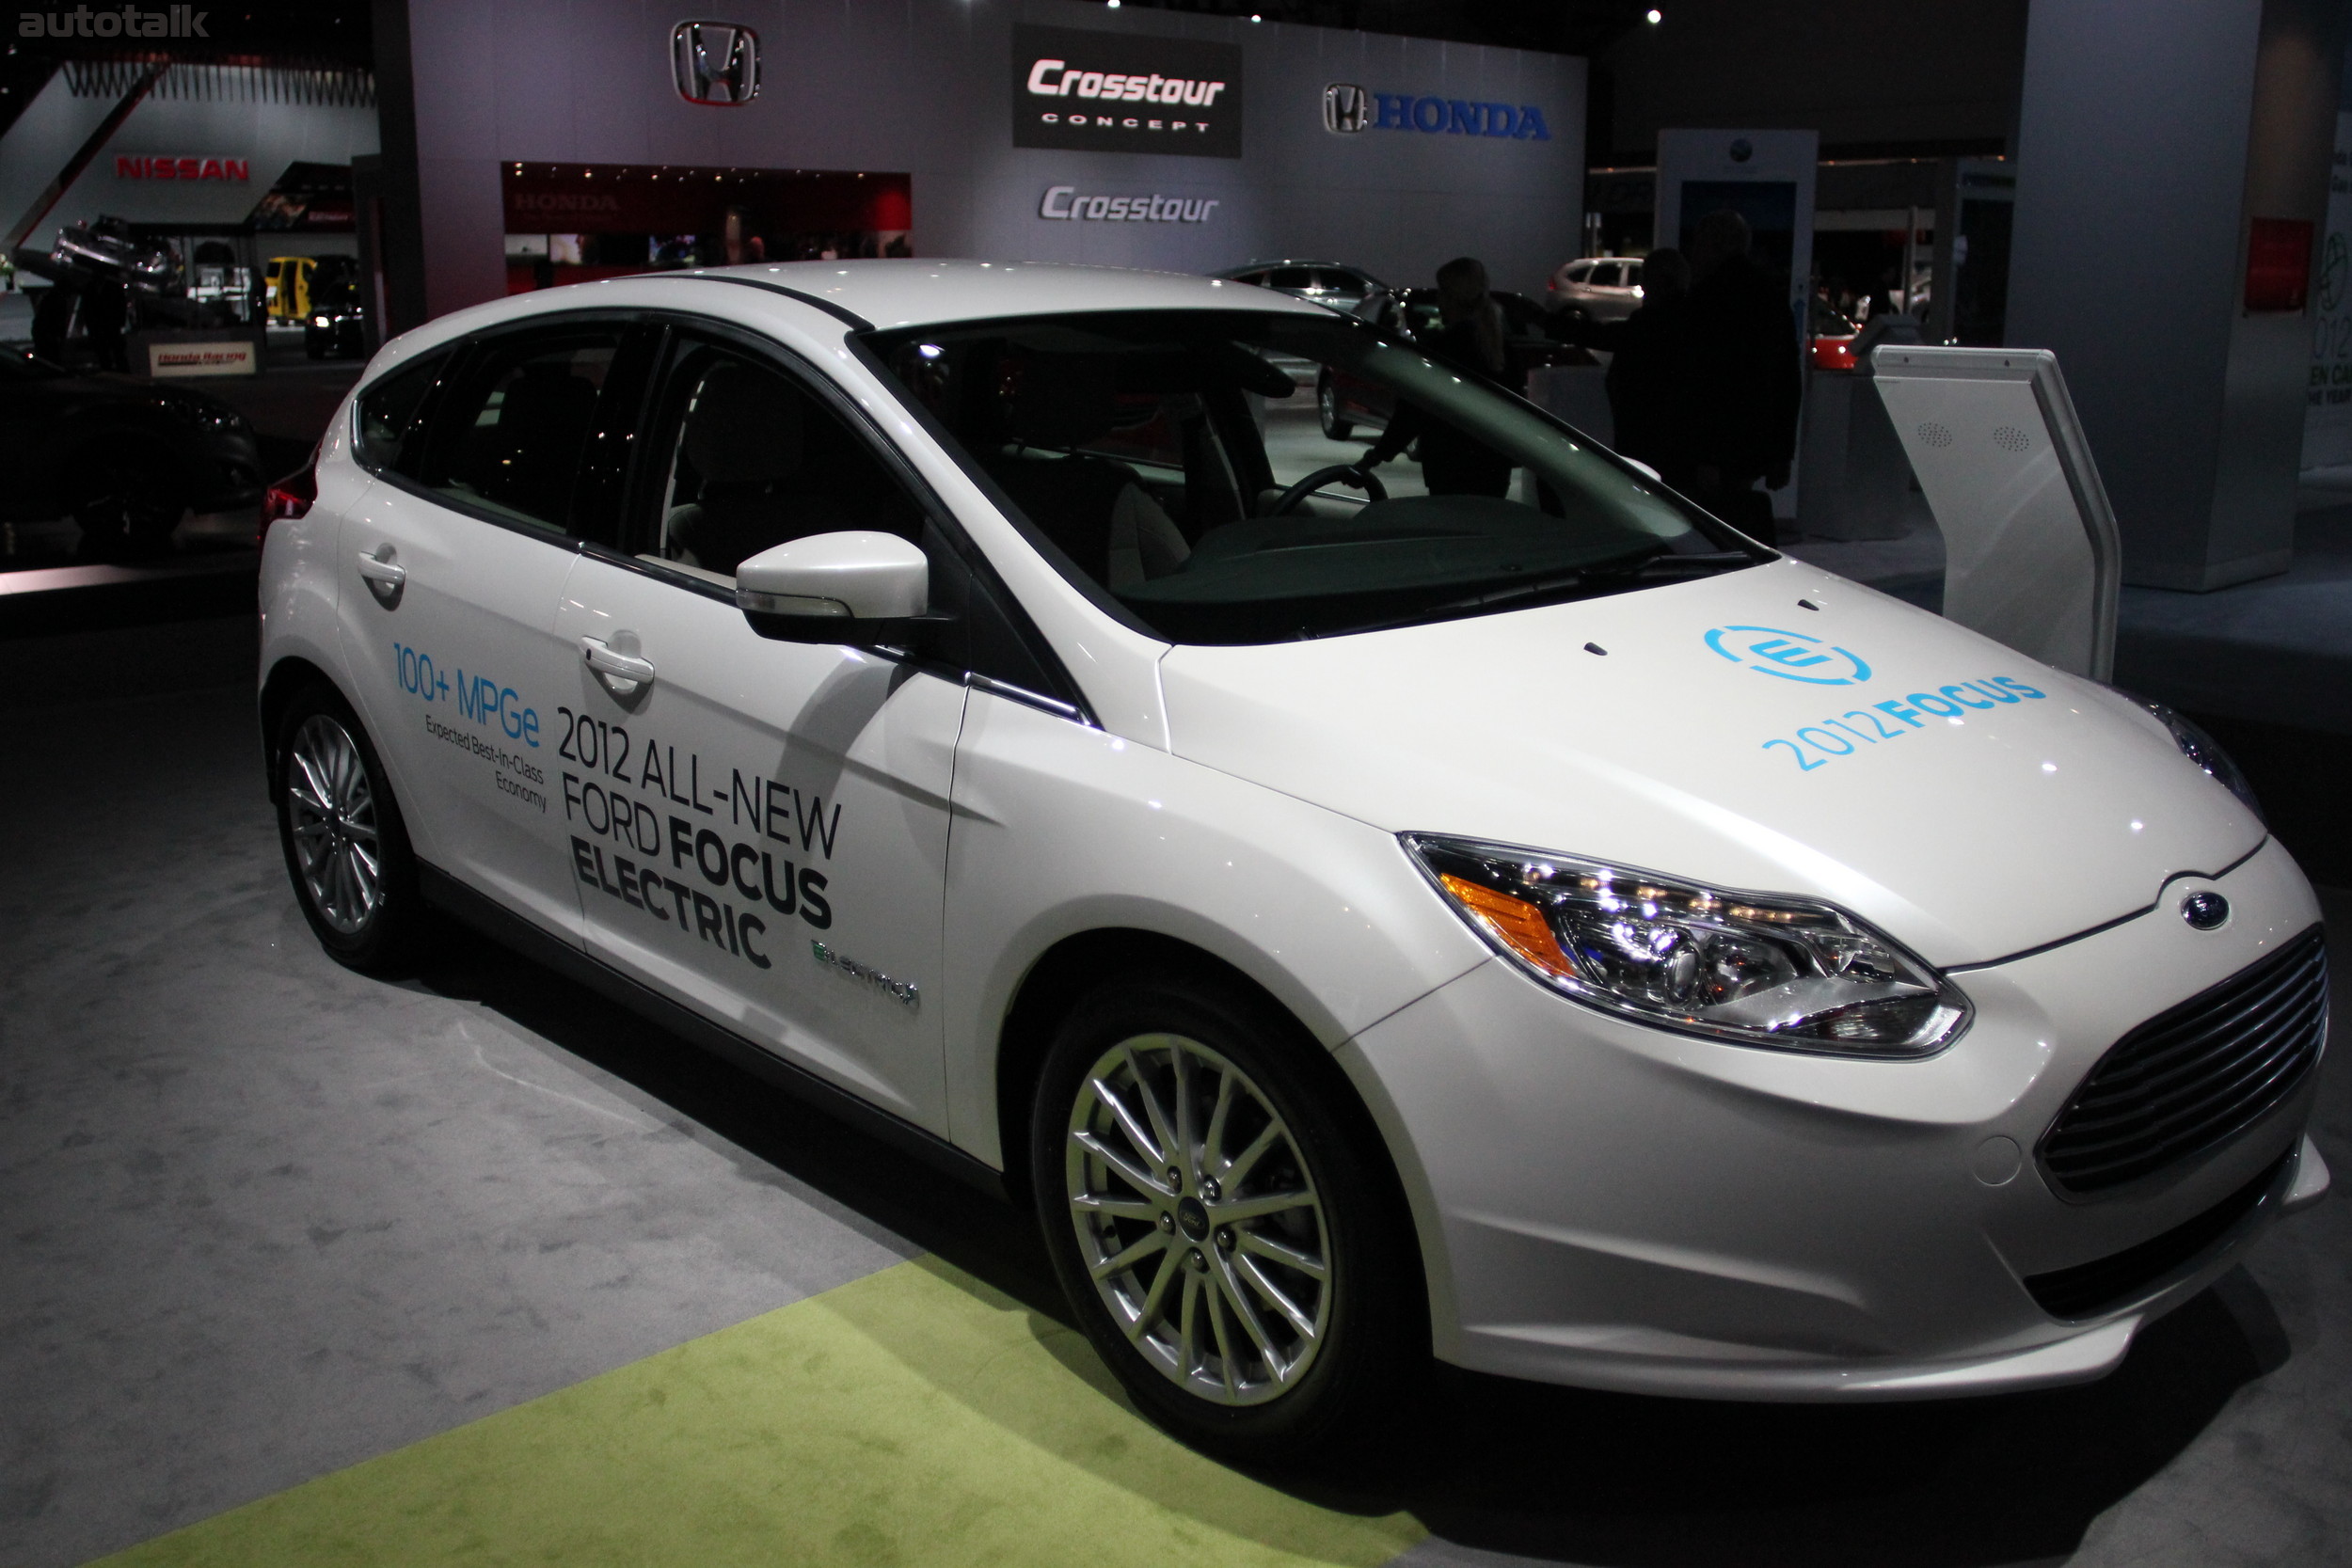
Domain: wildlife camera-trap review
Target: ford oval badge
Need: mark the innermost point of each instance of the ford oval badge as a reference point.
(2205, 912)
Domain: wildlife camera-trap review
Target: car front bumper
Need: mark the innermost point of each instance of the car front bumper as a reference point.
(1611, 1205)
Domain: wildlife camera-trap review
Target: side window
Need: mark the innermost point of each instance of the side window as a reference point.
(387, 412)
(744, 458)
(1344, 284)
(1605, 276)
(509, 434)
(1581, 273)
(1290, 277)
(1633, 275)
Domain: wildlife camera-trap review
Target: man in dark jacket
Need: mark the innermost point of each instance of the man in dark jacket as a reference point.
(1744, 378)
(1649, 364)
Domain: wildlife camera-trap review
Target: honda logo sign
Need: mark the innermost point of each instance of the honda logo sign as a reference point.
(715, 63)
(1346, 108)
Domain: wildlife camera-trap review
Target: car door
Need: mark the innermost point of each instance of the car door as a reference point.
(759, 829)
(454, 562)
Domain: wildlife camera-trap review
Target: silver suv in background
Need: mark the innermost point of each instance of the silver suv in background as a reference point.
(1601, 288)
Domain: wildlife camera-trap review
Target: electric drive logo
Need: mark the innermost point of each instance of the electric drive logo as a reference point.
(1790, 655)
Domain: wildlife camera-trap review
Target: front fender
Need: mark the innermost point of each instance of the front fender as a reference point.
(1061, 829)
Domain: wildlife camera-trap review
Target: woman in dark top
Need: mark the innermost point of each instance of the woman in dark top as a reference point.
(1469, 338)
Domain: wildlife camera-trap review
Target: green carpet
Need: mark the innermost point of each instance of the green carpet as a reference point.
(914, 1416)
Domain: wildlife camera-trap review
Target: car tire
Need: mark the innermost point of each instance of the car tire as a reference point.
(1192, 1325)
(1327, 406)
(346, 846)
(130, 506)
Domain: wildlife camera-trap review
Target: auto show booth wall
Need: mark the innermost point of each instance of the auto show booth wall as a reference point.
(197, 153)
(1427, 149)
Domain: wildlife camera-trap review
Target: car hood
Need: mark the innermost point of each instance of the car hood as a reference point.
(1776, 729)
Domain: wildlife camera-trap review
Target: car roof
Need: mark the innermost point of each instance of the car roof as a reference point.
(1294, 261)
(884, 294)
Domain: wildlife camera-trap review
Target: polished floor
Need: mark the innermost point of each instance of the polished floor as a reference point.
(466, 1268)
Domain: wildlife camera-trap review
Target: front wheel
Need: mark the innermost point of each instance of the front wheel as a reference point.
(1226, 1234)
(1327, 407)
(346, 847)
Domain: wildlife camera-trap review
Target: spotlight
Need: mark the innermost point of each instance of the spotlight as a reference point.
(1654, 16)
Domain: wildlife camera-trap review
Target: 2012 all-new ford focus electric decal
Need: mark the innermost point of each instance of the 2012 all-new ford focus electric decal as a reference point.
(687, 866)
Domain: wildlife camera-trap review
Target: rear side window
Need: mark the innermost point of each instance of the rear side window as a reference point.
(388, 409)
(508, 435)
(1605, 276)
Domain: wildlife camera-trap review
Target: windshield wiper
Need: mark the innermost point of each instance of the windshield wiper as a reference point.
(1654, 560)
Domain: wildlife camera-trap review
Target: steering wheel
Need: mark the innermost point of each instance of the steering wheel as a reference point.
(1361, 478)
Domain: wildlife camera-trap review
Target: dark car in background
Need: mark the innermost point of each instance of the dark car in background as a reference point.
(125, 459)
(1344, 401)
(335, 327)
(1333, 283)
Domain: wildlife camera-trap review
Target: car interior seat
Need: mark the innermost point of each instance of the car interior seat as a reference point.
(1093, 507)
(745, 449)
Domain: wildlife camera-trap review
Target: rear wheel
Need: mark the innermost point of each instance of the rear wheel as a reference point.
(1226, 1236)
(346, 847)
(1327, 406)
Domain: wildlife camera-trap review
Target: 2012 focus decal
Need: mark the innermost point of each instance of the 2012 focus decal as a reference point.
(1819, 745)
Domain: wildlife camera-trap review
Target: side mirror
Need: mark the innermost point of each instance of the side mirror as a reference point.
(860, 587)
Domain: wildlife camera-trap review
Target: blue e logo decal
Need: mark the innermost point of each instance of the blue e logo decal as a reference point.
(1790, 655)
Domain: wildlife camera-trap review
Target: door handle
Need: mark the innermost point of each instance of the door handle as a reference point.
(623, 672)
(383, 575)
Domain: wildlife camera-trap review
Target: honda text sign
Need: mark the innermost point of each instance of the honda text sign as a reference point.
(715, 63)
(1111, 92)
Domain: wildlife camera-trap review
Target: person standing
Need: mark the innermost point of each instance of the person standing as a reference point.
(1470, 338)
(1746, 383)
(105, 311)
(1649, 369)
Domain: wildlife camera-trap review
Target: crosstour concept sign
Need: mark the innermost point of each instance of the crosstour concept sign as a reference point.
(1110, 92)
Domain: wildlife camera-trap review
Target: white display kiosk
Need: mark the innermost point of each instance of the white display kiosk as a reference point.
(2030, 552)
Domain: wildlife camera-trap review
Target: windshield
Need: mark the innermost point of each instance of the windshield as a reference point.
(1236, 477)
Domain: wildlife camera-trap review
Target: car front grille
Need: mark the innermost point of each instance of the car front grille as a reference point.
(2195, 1076)
(2116, 1281)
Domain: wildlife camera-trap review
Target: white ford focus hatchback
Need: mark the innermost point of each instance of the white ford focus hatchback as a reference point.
(1480, 906)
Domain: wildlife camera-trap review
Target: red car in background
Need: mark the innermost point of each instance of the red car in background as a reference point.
(1829, 337)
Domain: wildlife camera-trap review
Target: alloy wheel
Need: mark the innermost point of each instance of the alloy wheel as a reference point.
(332, 803)
(1198, 1220)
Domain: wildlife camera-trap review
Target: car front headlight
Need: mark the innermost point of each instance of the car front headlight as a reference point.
(2204, 751)
(1751, 969)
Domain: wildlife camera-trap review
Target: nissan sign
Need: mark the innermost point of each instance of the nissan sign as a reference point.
(1114, 92)
(715, 63)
